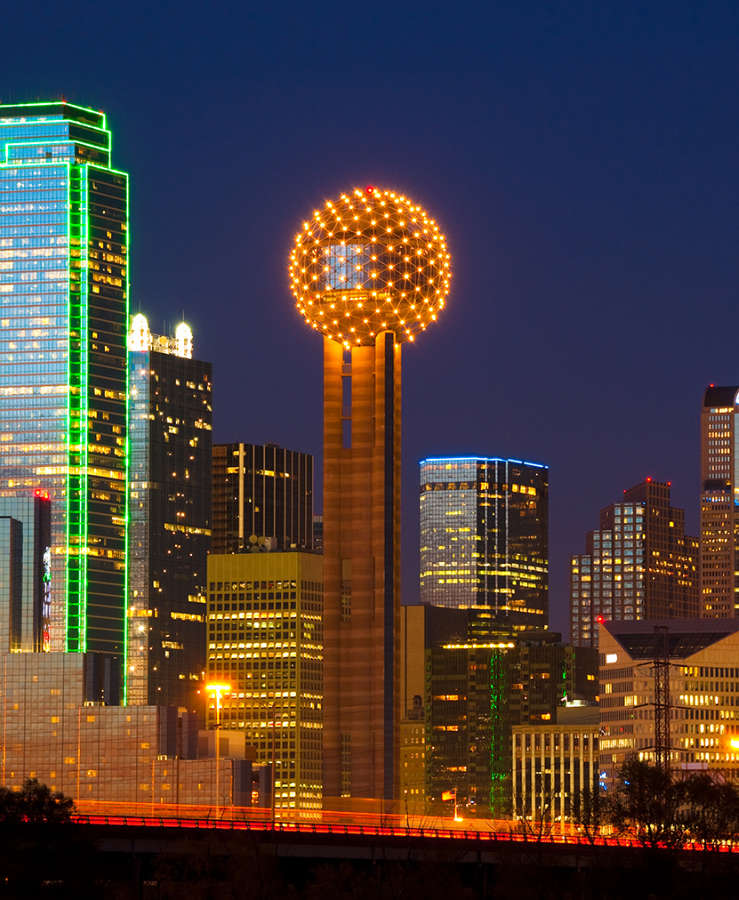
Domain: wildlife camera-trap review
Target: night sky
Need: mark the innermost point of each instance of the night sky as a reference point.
(581, 158)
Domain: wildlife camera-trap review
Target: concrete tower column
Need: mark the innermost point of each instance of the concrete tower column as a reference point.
(361, 515)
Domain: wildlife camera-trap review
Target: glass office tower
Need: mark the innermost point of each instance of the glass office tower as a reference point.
(63, 391)
(485, 537)
(262, 494)
(170, 476)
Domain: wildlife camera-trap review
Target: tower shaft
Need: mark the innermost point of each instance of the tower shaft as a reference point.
(361, 521)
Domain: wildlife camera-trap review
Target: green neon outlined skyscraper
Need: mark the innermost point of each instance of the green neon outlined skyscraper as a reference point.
(63, 373)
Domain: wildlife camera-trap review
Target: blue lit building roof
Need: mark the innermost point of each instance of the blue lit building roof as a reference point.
(482, 459)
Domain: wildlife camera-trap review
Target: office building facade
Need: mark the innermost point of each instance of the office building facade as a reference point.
(702, 694)
(484, 537)
(477, 690)
(553, 765)
(262, 497)
(139, 757)
(25, 572)
(170, 475)
(719, 504)
(638, 564)
(63, 391)
(265, 644)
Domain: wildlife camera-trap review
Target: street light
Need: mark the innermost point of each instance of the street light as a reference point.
(274, 763)
(218, 689)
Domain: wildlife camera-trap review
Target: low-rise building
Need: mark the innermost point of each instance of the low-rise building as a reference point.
(553, 764)
(98, 754)
(701, 659)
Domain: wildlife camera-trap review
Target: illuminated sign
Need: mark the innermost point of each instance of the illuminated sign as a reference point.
(611, 657)
(46, 600)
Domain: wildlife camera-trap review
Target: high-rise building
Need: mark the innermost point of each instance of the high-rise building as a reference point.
(719, 541)
(368, 272)
(63, 373)
(262, 496)
(170, 469)
(638, 564)
(684, 672)
(484, 537)
(477, 690)
(25, 572)
(265, 649)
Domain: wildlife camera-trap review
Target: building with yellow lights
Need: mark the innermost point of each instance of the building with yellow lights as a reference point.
(639, 564)
(170, 470)
(719, 544)
(265, 645)
(100, 755)
(369, 272)
(485, 537)
(703, 663)
(554, 763)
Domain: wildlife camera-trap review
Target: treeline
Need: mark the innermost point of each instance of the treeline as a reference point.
(663, 809)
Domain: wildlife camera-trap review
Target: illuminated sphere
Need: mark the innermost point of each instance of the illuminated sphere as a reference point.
(369, 262)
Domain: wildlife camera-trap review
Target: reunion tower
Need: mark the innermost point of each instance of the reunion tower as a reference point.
(369, 272)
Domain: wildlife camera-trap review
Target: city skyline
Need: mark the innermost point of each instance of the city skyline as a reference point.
(574, 222)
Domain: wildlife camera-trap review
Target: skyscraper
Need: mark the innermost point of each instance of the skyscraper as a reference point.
(261, 492)
(639, 564)
(170, 445)
(63, 390)
(265, 643)
(485, 537)
(368, 272)
(719, 503)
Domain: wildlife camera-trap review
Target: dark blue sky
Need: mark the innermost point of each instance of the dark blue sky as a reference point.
(581, 157)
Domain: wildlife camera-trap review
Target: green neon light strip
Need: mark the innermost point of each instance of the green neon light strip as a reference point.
(126, 243)
(128, 455)
(68, 494)
(84, 400)
(64, 143)
(87, 109)
(76, 499)
(63, 140)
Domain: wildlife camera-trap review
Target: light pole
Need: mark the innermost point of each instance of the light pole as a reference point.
(274, 763)
(218, 690)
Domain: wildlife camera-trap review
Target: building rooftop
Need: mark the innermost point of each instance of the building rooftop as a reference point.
(684, 638)
(720, 395)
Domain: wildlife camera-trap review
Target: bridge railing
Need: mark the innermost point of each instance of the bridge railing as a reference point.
(259, 822)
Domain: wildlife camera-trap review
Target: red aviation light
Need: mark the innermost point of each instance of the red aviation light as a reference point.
(39, 492)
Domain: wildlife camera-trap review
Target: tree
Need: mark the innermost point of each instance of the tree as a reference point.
(711, 809)
(648, 802)
(34, 803)
(591, 810)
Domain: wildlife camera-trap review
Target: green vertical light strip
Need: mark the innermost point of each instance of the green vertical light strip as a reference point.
(498, 700)
(128, 458)
(68, 494)
(76, 563)
(84, 399)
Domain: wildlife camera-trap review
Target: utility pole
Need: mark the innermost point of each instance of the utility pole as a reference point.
(662, 707)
